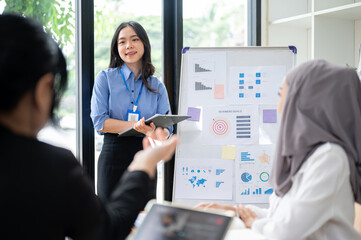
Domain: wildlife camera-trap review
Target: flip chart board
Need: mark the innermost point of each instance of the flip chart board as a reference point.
(227, 145)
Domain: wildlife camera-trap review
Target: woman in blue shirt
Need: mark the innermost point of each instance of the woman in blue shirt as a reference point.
(123, 96)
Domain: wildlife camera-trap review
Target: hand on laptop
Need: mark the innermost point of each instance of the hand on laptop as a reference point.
(247, 215)
(147, 159)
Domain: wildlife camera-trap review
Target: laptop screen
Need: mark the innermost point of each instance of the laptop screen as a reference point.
(165, 222)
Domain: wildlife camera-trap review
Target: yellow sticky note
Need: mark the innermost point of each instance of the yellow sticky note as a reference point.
(219, 91)
(229, 152)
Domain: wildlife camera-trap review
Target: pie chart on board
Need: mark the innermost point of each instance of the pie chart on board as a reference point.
(246, 177)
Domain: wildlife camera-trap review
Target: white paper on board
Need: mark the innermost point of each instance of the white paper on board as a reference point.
(230, 125)
(205, 71)
(252, 171)
(255, 85)
(204, 178)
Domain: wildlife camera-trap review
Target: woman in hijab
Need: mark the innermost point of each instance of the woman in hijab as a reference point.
(316, 172)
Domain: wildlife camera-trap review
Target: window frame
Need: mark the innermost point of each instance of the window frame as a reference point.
(84, 55)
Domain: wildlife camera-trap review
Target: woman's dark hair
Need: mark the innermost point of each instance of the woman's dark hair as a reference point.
(116, 61)
(26, 54)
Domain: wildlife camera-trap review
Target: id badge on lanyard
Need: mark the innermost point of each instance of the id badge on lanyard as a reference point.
(132, 115)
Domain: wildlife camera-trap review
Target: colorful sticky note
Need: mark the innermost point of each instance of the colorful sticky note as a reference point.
(219, 91)
(194, 113)
(229, 152)
(269, 116)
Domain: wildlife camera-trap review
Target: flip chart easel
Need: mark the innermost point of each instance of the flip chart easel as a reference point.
(227, 146)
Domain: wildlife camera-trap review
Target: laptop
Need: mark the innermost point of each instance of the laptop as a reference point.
(168, 222)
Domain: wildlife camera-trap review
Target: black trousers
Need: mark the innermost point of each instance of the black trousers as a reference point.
(116, 155)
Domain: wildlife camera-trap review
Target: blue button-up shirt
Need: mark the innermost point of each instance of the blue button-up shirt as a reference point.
(111, 99)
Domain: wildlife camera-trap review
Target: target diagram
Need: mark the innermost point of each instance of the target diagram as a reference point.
(220, 127)
(230, 125)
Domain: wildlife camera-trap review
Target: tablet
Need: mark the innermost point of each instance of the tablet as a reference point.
(159, 120)
(165, 221)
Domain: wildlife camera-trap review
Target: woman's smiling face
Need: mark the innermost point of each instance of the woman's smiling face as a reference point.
(130, 47)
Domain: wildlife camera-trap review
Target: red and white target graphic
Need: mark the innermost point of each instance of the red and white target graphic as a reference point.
(220, 127)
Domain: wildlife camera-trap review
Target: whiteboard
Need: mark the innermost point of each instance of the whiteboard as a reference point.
(226, 148)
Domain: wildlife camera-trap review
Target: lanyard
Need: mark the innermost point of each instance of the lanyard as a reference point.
(140, 91)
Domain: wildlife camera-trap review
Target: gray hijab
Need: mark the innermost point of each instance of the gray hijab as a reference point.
(323, 104)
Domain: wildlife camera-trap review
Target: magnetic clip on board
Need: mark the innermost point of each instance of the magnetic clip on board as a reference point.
(159, 120)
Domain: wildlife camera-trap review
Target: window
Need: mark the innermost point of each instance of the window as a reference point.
(214, 23)
(58, 19)
(110, 13)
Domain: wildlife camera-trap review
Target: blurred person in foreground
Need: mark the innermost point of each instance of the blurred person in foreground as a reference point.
(316, 172)
(45, 194)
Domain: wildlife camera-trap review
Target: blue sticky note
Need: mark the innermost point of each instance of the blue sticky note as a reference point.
(194, 113)
(269, 116)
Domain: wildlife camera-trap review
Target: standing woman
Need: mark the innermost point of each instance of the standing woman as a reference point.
(123, 96)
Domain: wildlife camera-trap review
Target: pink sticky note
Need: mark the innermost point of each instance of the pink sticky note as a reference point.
(219, 91)
(194, 113)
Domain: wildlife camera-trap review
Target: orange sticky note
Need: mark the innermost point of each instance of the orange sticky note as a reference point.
(219, 91)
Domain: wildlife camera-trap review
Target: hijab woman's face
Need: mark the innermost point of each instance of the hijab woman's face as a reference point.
(282, 93)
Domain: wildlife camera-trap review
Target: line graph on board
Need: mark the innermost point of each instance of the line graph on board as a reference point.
(198, 86)
(198, 68)
(202, 66)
